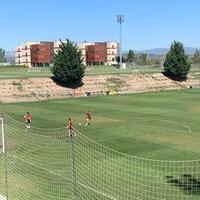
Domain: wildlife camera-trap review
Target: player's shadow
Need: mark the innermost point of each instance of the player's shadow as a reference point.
(68, 85)
(186, 182)
(175, 78)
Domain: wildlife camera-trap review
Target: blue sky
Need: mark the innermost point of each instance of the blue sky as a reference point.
(148, 23)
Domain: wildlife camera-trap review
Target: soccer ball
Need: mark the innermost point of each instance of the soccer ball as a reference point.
(79, 124)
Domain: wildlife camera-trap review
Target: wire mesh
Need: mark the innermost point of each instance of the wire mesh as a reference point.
(45, 164)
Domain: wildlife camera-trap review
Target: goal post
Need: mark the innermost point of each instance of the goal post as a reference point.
(3, 132)
(3, 137)
(38, 164)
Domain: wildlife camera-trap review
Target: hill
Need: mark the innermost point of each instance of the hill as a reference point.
(163, 51)
(37, 89)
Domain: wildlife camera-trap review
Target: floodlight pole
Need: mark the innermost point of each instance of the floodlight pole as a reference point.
(120, 20)
(2, 119)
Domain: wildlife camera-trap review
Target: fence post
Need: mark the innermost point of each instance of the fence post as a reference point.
(72, 138)
(3, 132)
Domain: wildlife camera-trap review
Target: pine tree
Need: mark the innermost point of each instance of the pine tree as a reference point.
(142, 59)
(2, 55)
(196, 57)
(176, 65)
(131, 56)
(67, 66)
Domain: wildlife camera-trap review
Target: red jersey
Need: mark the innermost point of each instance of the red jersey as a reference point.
(89, 115)
(70, 124)
(28, 117)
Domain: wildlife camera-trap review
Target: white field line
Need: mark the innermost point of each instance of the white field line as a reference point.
(164, 120)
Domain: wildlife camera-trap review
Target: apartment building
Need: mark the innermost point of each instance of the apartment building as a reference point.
(40, 54)
(98, 53)
(23, 54)
(35, 54)
(112, 52)
(82, 48)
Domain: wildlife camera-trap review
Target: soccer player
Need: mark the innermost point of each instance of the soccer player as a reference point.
(88, 118)
(27, 119)
(70, 128)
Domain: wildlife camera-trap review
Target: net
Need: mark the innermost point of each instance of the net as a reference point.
(45, 164)
(102, 173)
(38, 163)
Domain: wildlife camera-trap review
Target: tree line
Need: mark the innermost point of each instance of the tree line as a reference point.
(158, 60)
(195, 59)
(143, 59)
(68, 65)
(176, 63)
(2, 55)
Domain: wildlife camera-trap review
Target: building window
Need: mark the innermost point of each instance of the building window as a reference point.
(25, 47)
(113, 59)
(26, 54)
(18, 50)
(113, 52)
(18, 55)
(19, 61)
(26, 61)
(113, 46)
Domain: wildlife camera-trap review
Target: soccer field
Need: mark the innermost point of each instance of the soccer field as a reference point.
(22, 73)
(158, 126)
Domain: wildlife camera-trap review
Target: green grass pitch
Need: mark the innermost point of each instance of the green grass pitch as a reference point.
(162, 125)
(22, 72)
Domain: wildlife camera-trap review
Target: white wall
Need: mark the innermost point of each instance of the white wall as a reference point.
(25, 54)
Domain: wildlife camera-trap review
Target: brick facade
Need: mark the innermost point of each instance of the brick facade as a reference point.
(42, 54)
(96, 54)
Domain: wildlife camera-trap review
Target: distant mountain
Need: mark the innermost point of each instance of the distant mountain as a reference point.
(190, 50)
(163, 51)
(156, 51)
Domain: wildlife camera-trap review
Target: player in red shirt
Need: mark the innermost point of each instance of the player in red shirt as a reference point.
(70, 127)
(28, 119)
(88, 118)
